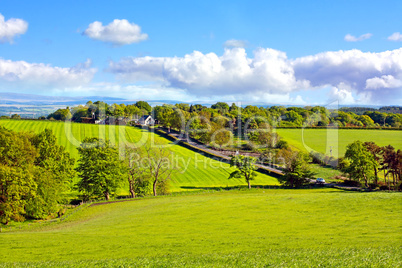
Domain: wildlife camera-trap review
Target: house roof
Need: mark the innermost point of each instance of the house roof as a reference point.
(144, 117)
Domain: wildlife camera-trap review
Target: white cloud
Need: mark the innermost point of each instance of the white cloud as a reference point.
(19, 75)
(118, 32)
(343, 96)
(385, 81)
(11, 28)
(351, 38)
(395, 37)
(235, 43)
(352, 69)
(206, 74)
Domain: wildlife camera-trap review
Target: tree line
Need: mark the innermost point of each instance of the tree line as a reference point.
(363, 161)
(279, 116)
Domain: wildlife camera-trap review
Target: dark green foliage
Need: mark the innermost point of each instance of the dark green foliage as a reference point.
(223, 107)
(297, 171)
(100, 169)
(16, 116)
(144, 105)
(61, 114)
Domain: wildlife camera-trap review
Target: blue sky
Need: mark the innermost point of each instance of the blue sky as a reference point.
(296, 52)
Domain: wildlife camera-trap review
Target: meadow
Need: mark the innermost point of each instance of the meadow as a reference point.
(323, 140)
(278, 228)
(194, 171)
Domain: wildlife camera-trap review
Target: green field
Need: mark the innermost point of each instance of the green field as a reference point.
(321, 139)
(194, 170)
(282, 228)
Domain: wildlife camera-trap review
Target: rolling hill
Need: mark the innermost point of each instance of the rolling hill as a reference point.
(195, 171)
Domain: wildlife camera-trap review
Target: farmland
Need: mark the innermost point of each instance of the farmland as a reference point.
(321, 139)
(298, 228)
(194, 170)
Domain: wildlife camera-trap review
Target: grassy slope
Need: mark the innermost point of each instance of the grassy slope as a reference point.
(317, 138)
(258, 227)
(200, 172)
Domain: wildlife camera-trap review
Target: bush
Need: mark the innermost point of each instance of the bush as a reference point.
(351, 183)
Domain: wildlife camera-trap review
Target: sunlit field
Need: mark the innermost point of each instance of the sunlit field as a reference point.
(323, 140)
(230, 228)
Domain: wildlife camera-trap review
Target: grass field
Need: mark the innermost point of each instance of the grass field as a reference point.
(194, 170)
(280, 228)
(321, 139)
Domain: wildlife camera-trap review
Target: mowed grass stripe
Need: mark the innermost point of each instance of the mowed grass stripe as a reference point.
(194, 170)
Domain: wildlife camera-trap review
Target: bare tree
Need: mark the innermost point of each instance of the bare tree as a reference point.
(138, 177)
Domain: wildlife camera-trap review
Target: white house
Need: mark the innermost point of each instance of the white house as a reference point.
(146, 120)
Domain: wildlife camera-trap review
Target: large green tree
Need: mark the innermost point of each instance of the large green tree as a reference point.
(362, 162)
(54, 173)
(17, 185)
(297, 171)
(144, 105)
(245, 168)
(100, 169)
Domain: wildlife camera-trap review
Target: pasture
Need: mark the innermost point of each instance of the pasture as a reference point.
(194, 171)
(323, 140)
(280, 228)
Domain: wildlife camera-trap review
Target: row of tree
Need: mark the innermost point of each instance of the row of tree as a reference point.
(100, 110)
(177, 116)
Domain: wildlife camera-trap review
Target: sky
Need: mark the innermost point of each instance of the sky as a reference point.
(278, 52)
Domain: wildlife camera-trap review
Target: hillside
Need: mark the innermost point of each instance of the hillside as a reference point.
(194, 170)
(257, 228)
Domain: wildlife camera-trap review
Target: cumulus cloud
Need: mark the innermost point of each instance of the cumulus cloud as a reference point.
(21, 74)
(204, 74)
(395, 37)
(351, 38)
(385, 81)
(11, 28)
(367, 75)
(118, 32)
(357, 70)
(344, 96)
(235, 43)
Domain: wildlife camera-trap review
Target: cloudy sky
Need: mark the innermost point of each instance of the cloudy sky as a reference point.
(288, 52)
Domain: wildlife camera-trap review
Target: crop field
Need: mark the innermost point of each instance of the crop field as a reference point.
(280, 228)
(194, 171)
(323, 140)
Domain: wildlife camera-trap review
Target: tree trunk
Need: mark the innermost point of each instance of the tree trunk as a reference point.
(132, 193)
(249, 186)
(107, 196)
(365, 181)
(154, 188)
(376, 176)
